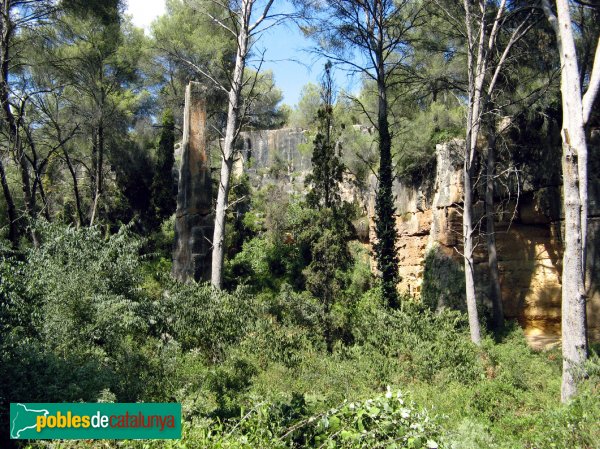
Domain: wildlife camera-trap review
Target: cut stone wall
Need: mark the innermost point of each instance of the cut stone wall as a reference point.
(429, 221)
(194, 221)
(263, 149)
(529, 244)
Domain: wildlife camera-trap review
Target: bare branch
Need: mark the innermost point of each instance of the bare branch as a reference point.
(261, 18)
(594, 86)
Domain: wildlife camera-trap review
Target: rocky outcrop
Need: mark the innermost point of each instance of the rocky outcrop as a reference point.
(529, 240)
(194, 221)
(272, 149)
(529, 229)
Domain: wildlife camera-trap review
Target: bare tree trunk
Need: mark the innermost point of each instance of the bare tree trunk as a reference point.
(13, 232)
(37, 181)
(495, 290)
(231, 131)
(5, 36)
(576, 111)
(16, 144)
(468, 231)
(482, 74)
(80, 219)
(75, 188)
(98, 174)
(476, 74)
(76, 193)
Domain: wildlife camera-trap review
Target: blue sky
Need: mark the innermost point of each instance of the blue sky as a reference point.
(284, 45)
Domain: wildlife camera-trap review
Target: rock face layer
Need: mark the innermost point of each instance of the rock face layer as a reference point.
(274, 149)
(529, 243)
(194, 221)
(529, 231)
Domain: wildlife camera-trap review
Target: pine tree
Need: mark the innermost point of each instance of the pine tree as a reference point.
(327, 173)
(328, 234)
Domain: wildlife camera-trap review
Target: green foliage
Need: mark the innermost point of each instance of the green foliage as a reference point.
(98, 300)
(163, 189)
(439, 122)
(430, 346)
(383, 421)
(443, 281)
(238, 231)
(202, 319)
(262, 99)
(306, 112)
(327, 169)
(73, 321)
(387, 234)
(326, 240)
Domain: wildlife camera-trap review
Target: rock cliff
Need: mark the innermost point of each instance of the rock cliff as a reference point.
(529, 229)
(529, 241)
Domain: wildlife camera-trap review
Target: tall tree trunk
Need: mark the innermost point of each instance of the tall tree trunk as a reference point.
(13, 232)
(495, 290)
(75, 187)
(37, 180)
(476, 68)
(6, 31)
(468, 231)
(231, 131)
(98, 173)
(94, 164)
(574, 166)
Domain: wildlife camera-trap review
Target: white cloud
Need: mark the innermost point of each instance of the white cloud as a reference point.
(145, 11)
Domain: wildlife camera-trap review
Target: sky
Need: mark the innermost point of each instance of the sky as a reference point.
(284, 46)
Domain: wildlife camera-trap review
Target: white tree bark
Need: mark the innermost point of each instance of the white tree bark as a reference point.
(483, 74)
(576, 112)
(234, 118)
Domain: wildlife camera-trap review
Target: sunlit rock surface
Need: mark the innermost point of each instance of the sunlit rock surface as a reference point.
(529, 235)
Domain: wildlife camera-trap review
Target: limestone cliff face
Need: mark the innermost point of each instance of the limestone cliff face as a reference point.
(529, 229)
(529, 245)
(273, 149)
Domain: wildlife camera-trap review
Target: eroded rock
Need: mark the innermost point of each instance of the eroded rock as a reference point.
(194, 222)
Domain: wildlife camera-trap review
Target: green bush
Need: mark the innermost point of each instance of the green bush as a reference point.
(431, 346)
(202, 318)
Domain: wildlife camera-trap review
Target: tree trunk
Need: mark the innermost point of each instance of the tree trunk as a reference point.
(5, 35)
(231, 131)
(98, 173)
(474, 326)
(28, 198)
(476, 68)
(76, 193)
(37, 180)
(574, 329)
(385, 225)
(75, 187)
(92, 171)
(495, 290)
(13, 232)
(574, 166)
(13, 128)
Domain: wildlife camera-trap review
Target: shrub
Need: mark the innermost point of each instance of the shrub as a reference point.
(201, 318)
